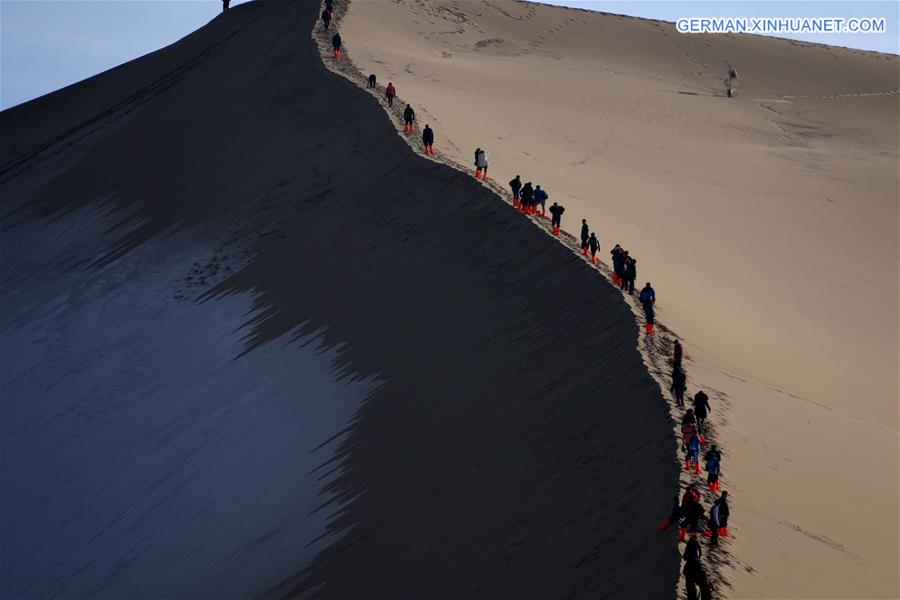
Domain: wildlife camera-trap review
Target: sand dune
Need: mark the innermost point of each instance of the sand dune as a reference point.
(768, 225)
(250, 348)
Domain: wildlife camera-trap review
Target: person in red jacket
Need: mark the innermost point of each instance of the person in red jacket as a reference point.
(390, 92)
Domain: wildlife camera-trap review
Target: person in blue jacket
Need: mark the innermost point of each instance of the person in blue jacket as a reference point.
(648, 294)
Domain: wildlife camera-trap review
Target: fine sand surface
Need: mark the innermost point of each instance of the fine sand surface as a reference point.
(767, 223)
(250, 349)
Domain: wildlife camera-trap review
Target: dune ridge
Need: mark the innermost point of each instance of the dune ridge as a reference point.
(490, 413)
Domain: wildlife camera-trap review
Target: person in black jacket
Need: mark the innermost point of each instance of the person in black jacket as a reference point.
(372, 80)
(515, 185)
(679, 385)
(701, 409)
(630, 275)
(724, 513)
(225, 4)
(527, 197)
(428, 140)
(326, 19)
(692, 550)
(336, 43)
(409, 115)
(594, 245)
(585, 234)
(556, 220)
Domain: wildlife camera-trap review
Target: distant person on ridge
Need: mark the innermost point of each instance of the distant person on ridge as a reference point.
(409, 115)
(326, 19)
(372, 80)
(225, 4)
(556, 212)
(701, 409)
(515, 185)
(585, 234)
(540, 197)
(336, 43)
(390, 92)
(481, 164)
(594, 245)
(428, 140)
(679, 385)
(678, 353)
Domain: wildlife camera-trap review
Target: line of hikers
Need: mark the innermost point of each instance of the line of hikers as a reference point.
(689, 512)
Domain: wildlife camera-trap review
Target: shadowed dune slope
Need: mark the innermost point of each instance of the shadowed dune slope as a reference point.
(516, 446)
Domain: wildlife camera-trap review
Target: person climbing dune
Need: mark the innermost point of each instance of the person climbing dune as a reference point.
(225, 4)
(701, 409)
(337, 43)
(540, 197)
(556, 213)
(428, 140)
(649, 315)
(679, 385)
(409, 115)
(372, 80)
(516, 185)
(630, 275)
(526, 197)
(326, 19)
(594, 245)
(481, 164)
(585, 234)
(677, 354)
(713, 470)
(390, 93)
(648, 294)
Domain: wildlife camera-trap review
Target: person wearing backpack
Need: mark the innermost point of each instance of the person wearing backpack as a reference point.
(556, 211)
(515, 185)
(701, 409)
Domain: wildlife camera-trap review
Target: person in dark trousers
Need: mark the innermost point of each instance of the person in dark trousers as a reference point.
(619, 268)
(585, 234)
(701, 409)
(674, 516)
(713, 523)
(692, 521)
(390, 93)
(556, 212)
(679, 385)
(372, 80)
(225, 4)
(648, 294)
(540, 197)
(336, 43)
(724, 513)
(326, 20)
(428, 140)
(409, 115)
(594, 245)
(713, 470)
(616, 258)
(515, 185)
(481, 164)
(713, 452)
(693, 574)
(649, 315)
(677, 355)
(526, 197)
(630, 275)
(692, 550)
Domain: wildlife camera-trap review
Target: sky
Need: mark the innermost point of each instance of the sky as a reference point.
(48, 44)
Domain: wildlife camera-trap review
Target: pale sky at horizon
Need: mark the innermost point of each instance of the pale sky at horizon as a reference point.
(49, 44)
